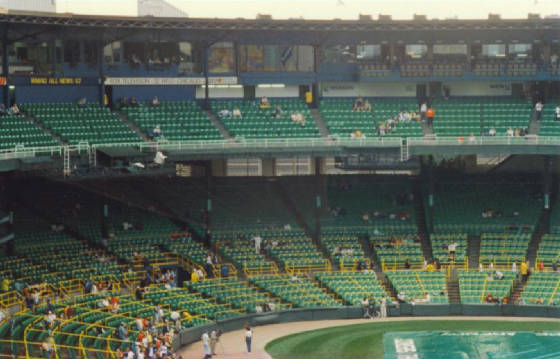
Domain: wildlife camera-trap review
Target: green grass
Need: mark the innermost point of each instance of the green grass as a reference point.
(366, 340)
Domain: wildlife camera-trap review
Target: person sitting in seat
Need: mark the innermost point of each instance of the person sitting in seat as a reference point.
(264, 103)
(278, 113)
(358, 104)
(133, 102)
(236, 113)
(156, 132)
(82, 102)
(155, 101)
(509, 132)
(492, 132)
(225, 113)
(366, 106)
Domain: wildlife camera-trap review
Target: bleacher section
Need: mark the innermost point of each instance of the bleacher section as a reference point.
(440, 247)
(475, 286)
(299, 291)
(465, 116)
(93, 124)
(344, 250)
(503, 248)
(342, 120)
(259, 122)
(17, 130)
(459, 207)
(181, 120)
(393, 252)
(542, 288)
(237, 293)
(549, 249)
(297, 252)
(352, 287)
(416, 286)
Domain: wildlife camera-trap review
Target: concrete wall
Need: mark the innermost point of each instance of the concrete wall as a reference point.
(368, 89)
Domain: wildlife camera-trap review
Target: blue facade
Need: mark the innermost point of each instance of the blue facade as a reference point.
(56, 93)
(164, 93)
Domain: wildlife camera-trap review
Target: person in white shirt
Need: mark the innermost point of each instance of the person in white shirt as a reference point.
(248, 337)
(130, 354)
(452, 247)
(472, 139)
(224, 113)
(499, 275)
(491, 266)
(236, 113)
(514, 267)
(139, 324)
(557, 111)
(206, 345)
(492, 132)
(383, 308)
(538, 110)
(480, 267)
(402, 297)
(272, 306)
(509, 132)
(258, 242)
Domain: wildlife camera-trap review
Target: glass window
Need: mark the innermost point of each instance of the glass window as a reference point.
(71, 51)
(450, 49)
(221, 58)
(339, 54)
(253, 58)
(90, 52)
(32, 57)
(520, 50)
(112, 52)
(368, 52)
(416, 51)
(494, 50)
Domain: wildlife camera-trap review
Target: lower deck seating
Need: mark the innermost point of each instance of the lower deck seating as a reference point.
(344, 250)
(297, 290)
(420, 287)
(237, 293)
(352, 287)
(440, 247)
(474, 287)
(394, 252)
(542, 288)
(549, 249)
(297, 253)
(503, 248)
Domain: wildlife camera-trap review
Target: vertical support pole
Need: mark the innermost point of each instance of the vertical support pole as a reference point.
(5, 69)
(101, 70)
(205, 66)
(319, 196)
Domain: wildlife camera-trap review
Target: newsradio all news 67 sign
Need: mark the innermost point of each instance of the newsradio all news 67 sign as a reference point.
(168, 81)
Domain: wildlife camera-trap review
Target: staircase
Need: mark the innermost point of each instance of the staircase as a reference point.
(473, 251)
(542, 227)
(421, 221)
(517, 290)
(453, 287)
(386, 284)
(428, 129)
(218, 124)
(319, 122)
(534, 125)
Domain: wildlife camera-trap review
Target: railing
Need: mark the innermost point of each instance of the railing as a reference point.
(529, 140)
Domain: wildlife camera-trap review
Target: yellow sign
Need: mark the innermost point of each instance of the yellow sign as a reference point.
(55, 80)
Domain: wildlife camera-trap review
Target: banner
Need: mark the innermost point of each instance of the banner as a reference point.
(471, 345)
(169, 81)
(55, 80)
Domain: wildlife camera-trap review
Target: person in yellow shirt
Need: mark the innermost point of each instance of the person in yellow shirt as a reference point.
(194, 277)
(5, 285)
(430, 268)
(524, 271)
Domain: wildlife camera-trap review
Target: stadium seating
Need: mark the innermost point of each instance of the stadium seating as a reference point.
(549, 249)
(549, 125)
(389, 206)
(415, 285)
(542, 288)
(237, 293)
(504, 248)
(466, 116)
(352, 287)
(262, 123)
(299, 291)
(475, 286)
(241, 252)
(342, 121)
(344, 250)
(181, 120)
(440, 242)
(93, 124)
(393, 252)
(17, 130)
(459, 207)
(297, 252)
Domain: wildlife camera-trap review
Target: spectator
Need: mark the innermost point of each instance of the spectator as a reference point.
(14, 110)
(225, 113)
(509, 132)
(155, 101)
(236, 113)
(430, 114)
(248, 337)
(264, 103)
(156, 132)
(514, 267)
(524, 271)
(557, 112)
(538, 110)
(555, 266)
(492, 132)
(278, 112)
(423, 110)
(499, 275)
(358, 104)
(133, 102)
(472, 139)
(82, 102)
(516, 133)
(366, 106)
(401, 297)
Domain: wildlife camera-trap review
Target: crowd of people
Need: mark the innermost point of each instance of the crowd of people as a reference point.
(8, 111)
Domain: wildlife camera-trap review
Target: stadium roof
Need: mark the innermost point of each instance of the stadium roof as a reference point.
(232, 29)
